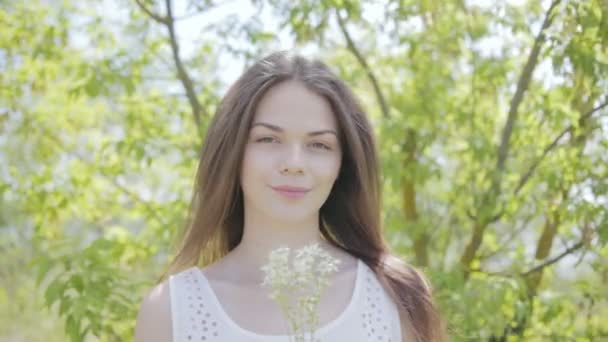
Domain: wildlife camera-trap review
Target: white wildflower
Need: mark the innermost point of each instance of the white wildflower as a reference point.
(302, 281)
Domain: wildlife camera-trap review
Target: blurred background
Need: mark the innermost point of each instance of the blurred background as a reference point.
(491, 117)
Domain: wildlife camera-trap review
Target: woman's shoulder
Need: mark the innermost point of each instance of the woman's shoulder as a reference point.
(154, 317)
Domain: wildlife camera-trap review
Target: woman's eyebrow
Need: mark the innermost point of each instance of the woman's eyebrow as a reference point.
(279, 129)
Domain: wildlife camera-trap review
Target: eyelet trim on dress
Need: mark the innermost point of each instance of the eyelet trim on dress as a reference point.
(198, 316)
(372, 318)
(344, 315)
(202, 325)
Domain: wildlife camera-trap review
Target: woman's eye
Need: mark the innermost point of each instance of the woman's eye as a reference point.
(265, 139)
(315, 145)
(322, 146)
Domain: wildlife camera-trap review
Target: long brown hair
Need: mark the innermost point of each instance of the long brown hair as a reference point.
(349, 219)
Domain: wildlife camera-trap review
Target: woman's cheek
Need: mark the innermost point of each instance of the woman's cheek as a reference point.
(255, 152)
(328, 168)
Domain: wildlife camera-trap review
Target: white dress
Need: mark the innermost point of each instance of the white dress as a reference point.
(197, 314)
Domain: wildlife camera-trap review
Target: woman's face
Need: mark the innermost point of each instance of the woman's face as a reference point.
(294, 142)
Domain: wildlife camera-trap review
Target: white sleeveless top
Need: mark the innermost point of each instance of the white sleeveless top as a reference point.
(197, 314)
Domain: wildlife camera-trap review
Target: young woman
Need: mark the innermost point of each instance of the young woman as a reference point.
(289, 159)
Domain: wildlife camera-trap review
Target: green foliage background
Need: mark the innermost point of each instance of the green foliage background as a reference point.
(492, 121)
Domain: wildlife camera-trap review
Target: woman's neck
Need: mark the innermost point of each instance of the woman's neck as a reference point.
(243, 264)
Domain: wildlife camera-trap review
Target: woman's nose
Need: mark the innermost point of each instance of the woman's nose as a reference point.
(292, 158)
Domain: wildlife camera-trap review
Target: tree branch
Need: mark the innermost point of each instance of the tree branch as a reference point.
(537, 268)
(526, 176)
(156, 17)
(504, 242)
(503, 150)
(522, 86)
(181, 71)
(555, 259)
(553, 217)
(169, 22)
(353, 48)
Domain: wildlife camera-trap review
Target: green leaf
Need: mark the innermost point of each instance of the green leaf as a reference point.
(53, 291)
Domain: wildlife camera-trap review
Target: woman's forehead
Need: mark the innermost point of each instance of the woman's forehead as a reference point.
(292, 106)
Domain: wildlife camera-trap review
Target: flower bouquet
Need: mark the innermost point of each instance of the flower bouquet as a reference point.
(296, 283)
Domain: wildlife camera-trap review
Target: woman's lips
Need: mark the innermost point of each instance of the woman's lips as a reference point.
(291, 193)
